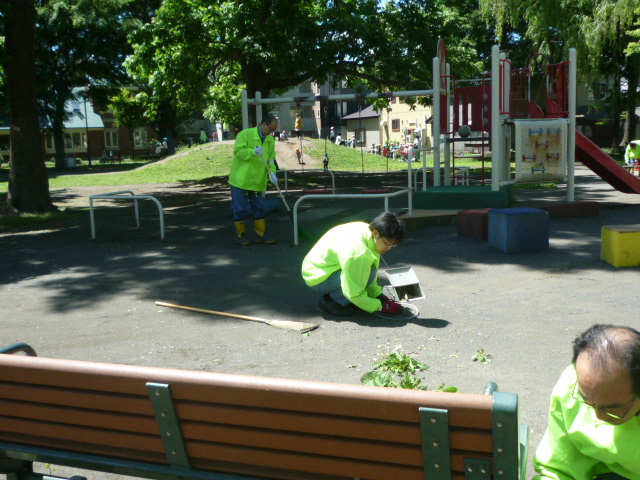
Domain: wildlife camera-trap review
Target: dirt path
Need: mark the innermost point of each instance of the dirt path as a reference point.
(287, 157)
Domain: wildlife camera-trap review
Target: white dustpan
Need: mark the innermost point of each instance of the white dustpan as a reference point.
(404, 283)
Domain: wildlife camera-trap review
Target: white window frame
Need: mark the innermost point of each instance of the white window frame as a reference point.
(140, 138)
(109, 135)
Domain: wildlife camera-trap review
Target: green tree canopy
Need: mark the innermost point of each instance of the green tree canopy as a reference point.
(601, 31)
(201, 54)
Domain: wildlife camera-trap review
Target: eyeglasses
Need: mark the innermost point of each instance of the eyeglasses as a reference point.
(578, 396)
(388, 244)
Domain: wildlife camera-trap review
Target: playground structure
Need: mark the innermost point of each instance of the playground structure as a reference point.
(501, 111)
(546, 141)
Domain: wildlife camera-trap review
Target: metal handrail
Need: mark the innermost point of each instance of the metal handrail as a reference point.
(386, 197)
(125, 194)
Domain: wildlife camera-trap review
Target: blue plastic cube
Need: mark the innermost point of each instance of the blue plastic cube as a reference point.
(516, 230)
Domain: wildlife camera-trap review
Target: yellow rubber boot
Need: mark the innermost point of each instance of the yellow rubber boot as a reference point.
(240, 231)
(260, 228)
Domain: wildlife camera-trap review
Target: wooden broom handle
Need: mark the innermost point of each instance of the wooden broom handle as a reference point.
(211, 312)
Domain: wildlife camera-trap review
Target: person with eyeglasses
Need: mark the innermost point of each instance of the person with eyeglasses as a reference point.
(250, 175)
(343, 266)
(593, 430)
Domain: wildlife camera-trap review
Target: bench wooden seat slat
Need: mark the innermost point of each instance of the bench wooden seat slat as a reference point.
(262, 427)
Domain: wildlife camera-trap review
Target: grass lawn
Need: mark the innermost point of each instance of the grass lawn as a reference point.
(213, 160)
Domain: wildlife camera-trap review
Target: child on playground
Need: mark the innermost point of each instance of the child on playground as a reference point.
(343, 266)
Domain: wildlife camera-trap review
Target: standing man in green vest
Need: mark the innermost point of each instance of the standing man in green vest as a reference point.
(249, 177)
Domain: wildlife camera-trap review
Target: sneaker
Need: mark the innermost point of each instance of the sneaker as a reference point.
(330, 306)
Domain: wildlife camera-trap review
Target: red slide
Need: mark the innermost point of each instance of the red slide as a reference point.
(596, 160)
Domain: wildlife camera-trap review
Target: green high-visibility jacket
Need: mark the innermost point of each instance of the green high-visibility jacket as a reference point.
(248, 170)
(351, 249)
(578, 446)
(632, 155)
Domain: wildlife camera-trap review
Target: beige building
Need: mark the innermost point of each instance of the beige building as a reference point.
(396, 124)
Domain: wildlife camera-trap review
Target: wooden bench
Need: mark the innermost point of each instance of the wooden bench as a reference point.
(172, 424)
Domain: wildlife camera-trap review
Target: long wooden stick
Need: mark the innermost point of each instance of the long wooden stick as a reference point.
(301, 327)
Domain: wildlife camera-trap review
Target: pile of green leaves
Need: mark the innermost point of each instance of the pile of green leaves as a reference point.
(398, 370)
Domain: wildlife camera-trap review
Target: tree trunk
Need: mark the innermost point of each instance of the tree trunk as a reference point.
(254, 76)
(28, 182)
(617, 108)
(58, 140)
(633, 77)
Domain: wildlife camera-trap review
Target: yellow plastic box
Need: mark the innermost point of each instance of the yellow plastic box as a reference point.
(621, 245)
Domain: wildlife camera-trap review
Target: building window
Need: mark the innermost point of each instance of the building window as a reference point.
(395, 124)
(361, 136)
(75, 141)
(140, 138)
(111, 139)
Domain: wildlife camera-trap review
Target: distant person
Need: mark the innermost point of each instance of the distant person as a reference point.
(332, 135)
(416, 146)
(297, 129)
(343, 266)
(203, 136)
(165, 146)
(632, 153)
(594, 425)
(250, 175)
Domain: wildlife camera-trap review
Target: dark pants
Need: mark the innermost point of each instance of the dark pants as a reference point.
(245, 203)
(333, 286)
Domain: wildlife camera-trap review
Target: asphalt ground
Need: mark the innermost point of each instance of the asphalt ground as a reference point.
(76, 298)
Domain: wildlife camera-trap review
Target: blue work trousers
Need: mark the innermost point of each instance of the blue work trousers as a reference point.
(245, 203)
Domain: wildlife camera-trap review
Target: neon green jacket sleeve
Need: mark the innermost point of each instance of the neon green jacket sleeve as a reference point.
(351, 249)
(247, 170)
(578, 446)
